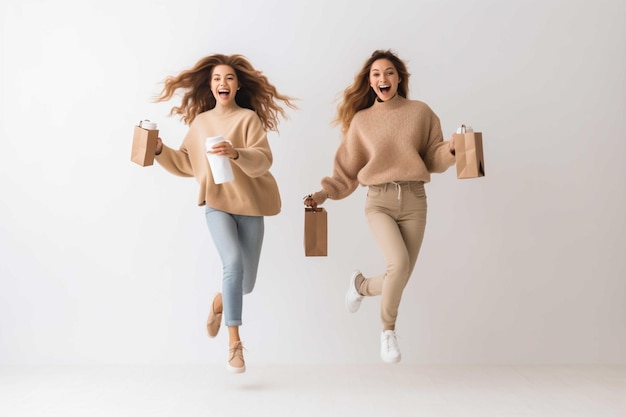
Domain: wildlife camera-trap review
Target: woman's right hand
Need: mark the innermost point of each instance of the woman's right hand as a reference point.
(309, 202)
(159, 147)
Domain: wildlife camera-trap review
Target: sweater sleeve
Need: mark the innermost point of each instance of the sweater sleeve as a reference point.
(349, 159)
(175, 162)
(437, 156)
(255, 159)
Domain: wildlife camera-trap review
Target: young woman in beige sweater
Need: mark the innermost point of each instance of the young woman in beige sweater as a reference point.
(224, 95)
(391, 145)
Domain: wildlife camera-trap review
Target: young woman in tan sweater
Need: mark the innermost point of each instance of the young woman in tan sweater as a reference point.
(391, 145)
(224, 95)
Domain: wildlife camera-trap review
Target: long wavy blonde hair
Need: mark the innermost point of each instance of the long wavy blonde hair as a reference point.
(360, 95)
(256, 92)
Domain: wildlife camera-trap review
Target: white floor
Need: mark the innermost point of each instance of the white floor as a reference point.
(314, 390)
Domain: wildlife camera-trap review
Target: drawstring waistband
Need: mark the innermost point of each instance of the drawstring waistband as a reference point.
(399, 188)
(399, 185)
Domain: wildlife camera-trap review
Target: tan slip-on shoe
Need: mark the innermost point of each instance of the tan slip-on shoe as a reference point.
(236, 364)
(215, 319)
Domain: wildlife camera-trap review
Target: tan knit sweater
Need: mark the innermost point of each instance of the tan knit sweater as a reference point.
(254, 191)
(396, 140)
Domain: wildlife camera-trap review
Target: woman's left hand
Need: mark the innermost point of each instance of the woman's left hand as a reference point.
(309, 202)
(224, 148)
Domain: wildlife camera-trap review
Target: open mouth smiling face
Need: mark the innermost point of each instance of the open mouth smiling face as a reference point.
(384, 79)
(224, 84)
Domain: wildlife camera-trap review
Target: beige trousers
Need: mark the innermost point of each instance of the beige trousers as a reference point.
(396, 214)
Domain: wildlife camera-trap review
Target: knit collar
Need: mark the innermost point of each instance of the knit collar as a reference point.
(394, 103)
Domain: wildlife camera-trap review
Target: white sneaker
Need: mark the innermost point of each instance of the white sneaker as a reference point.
(389, 350)
(353, 298)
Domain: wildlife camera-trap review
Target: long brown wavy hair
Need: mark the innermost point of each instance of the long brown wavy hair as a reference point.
(360, 95)
(256, 92)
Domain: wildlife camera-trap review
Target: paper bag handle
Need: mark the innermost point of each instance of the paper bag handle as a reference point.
(463, 128)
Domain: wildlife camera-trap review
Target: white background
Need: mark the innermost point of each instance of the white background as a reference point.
(103, 261)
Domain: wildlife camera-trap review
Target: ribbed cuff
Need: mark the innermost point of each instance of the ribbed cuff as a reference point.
(320, 197)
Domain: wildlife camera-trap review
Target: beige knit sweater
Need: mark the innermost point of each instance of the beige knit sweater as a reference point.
(254, 190)
(396, 140)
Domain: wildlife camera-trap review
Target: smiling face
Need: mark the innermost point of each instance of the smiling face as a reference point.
(224, 84)
(384, 79)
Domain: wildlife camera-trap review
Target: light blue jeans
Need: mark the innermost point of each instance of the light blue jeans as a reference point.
(238, 240)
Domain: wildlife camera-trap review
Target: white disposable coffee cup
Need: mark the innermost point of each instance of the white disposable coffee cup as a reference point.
(148, 125)
(220, 165)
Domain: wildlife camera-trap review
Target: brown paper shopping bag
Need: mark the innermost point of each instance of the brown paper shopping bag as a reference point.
(144, 143)
(315, 231)
(470, 161)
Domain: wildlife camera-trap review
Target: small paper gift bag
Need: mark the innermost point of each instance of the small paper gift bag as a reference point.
(315, 231)
(470, 161)
(144, 143)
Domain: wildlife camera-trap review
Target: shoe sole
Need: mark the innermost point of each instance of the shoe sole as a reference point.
(350, 288)
(234, 370)
(392, 360)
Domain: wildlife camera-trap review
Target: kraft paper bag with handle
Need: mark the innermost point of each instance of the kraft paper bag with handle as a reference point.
(144, 143)
(315, 231)
(468, 145)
